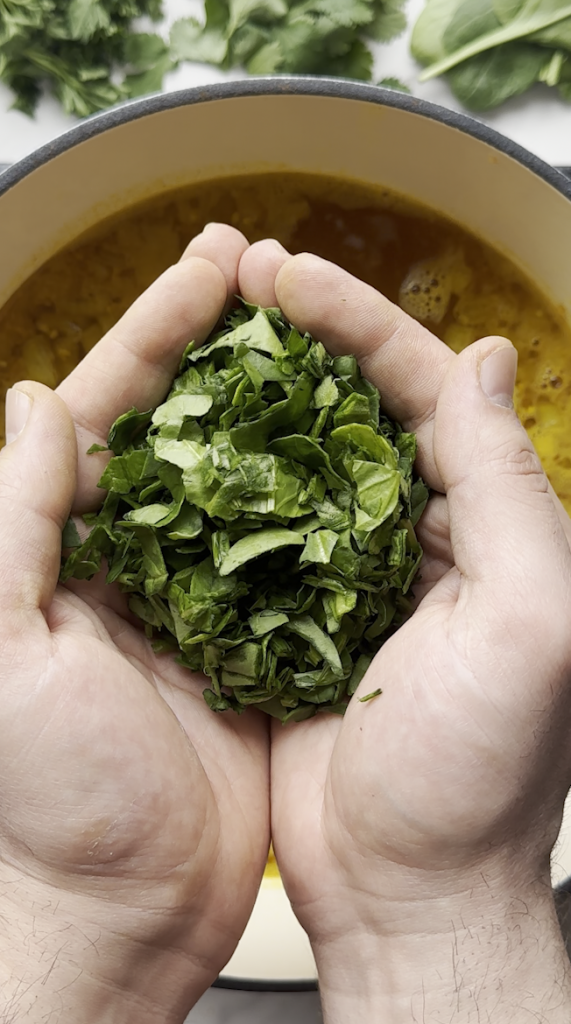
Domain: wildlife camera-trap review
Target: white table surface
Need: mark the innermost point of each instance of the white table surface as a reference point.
(540, 121)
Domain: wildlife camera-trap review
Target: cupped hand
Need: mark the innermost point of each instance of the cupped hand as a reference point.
(449, 787)
(134, 823)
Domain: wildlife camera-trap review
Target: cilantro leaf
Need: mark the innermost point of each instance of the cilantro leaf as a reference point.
(83, 51)
(394, 83)
(189, 40)
(323, 37)
(86, 18)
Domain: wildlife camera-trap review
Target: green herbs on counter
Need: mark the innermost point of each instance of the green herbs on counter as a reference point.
(85, 51)
(492, 50)
(316, 37)
(90, 55)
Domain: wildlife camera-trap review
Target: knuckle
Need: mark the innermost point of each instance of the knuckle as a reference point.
(10, 485)
(521, 462)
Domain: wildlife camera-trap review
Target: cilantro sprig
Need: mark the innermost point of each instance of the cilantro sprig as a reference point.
(84, 50)
(262, 519)
(89, 55)
(318, 37)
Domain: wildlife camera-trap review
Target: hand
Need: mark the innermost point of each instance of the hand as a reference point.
(133, 822)
(414, 835)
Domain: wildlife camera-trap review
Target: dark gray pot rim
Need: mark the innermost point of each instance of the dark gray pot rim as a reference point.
(226, 981)
(286, 85)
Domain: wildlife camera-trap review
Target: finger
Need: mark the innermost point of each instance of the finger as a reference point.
(505, 528)
(223, 246)
(399, 356)
(134, 364)
(259, 267)
(562, 513)
(258, 270)
(101, 598)
(433, 532)
(300, 758)
(403, 359)
(37, 483)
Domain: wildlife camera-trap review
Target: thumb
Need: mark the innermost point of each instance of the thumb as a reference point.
(38, 470)
(504, 523)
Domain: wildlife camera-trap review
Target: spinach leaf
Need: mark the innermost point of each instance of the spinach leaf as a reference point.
(258, 543)
(533, 16)
(261, 519)
(494, 49)
(471, 19)
(490, 78)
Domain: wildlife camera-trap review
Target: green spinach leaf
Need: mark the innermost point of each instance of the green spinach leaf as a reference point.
(493, 50)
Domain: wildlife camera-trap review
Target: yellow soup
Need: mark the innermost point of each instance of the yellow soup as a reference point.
(460, 287)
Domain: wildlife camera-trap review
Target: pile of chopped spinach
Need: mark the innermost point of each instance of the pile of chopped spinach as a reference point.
(262, 519)
(495, 49)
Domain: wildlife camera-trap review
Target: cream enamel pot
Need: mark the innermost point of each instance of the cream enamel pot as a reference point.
(444, 160)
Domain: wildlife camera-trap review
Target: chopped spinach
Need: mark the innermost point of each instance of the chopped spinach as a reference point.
(262, 519)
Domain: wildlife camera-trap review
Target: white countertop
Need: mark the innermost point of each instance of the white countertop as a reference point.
(540, 121)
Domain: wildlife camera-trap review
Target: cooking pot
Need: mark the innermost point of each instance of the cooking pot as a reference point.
(444, 160)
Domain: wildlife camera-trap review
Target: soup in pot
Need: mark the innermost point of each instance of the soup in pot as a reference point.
(453, 282)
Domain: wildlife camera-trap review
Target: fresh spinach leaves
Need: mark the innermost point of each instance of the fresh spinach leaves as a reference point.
(262, 519)
(495, 49)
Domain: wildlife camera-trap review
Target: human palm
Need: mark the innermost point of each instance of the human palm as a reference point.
(454, 763)
(121, 793)
(131, 813)
(134, 777)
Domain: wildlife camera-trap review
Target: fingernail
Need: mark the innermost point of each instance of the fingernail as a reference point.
(18, 405)
(497, 376)
(208, 227)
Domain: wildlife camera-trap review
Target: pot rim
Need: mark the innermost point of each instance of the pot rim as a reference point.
(280, 85)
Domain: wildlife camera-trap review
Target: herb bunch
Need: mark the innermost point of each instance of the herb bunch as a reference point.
(318, 37)
(78, 47)
(492, 50)
(262, 519)
(89, 55)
